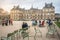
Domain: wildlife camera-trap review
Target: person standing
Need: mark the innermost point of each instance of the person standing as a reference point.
(35, 21)
(10, 22)
(3, 22)
(6, 22)
(43, 23)
(49, 22)
(39, 23)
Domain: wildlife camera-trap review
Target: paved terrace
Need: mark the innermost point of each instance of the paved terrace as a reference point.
(4, 30)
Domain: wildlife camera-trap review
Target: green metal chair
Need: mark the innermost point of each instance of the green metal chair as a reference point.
(12, 36)
(51, 31)
(3, 38)
(9, 36)
(23, 33)
(16, 34)
(37, 31)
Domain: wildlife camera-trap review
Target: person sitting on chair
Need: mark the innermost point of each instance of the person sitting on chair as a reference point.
(24, 25)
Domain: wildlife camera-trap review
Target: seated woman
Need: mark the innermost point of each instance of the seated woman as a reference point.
(34, 23)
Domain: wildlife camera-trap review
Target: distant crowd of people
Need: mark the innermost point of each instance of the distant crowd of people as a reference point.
(6, 22)
(40, 23)
(25, 25)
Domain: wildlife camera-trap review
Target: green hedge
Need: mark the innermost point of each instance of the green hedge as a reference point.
(58, 24)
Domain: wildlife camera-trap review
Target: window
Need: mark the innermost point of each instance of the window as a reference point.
(48, 14)
(46, 10)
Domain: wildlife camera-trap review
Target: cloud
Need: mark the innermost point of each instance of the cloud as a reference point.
(8, 4)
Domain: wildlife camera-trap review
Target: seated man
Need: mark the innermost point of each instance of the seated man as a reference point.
(24, 25)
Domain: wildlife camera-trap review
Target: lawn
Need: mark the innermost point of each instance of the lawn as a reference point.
(58, 24)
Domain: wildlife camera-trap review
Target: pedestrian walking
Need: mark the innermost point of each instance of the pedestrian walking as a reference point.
(49, 22)
(6, 22)
(10, 22)
(42, 23)
(39, 23)
(3, 22)
(36, 21)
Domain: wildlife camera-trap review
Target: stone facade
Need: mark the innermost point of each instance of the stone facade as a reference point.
(3, 14)
(47, 12)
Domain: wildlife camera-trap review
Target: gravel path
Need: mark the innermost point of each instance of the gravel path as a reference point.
(17, 25)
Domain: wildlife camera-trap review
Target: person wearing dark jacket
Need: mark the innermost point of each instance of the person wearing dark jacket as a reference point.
(3, 22)
(24, 25)
(6, 22)
(39, 23)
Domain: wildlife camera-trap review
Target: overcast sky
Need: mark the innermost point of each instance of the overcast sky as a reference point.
(8, 4)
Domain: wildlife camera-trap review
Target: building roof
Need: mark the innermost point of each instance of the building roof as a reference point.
(32, 8)
(48, 5)
(17, 8)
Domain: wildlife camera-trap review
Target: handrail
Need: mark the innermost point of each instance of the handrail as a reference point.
(57, 30)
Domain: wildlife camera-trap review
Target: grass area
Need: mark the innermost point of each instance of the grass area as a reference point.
(58, 24)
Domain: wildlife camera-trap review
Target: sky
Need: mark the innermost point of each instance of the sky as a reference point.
(27, 4)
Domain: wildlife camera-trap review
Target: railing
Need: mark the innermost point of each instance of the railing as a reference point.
(21, 34)
(52, 32)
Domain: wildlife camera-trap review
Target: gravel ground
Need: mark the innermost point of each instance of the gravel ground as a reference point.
(4, 30)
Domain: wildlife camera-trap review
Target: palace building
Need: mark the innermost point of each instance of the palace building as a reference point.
(47, 12)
